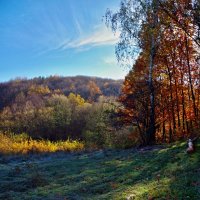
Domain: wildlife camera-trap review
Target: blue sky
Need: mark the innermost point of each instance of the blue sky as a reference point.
(56, 37)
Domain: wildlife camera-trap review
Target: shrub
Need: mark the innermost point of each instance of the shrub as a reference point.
(94, 139)
(21, 144)
(125, 138)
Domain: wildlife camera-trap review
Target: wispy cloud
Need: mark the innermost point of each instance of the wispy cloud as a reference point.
(101, 36)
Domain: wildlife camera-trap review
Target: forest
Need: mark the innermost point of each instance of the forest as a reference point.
(54, 108)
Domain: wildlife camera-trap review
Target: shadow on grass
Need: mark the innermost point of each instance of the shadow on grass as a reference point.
(161, 174)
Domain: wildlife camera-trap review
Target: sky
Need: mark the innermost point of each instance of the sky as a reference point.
(57, 37)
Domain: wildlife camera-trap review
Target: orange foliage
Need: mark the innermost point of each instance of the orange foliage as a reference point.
(176, 79)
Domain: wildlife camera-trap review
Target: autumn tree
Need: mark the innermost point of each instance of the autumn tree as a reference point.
(132, 18)
(135, 99)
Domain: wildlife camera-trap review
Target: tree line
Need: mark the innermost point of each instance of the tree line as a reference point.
(90, 88)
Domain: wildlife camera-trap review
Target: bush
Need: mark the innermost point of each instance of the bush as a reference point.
(19, 144)
(125, 138)
(94, 139)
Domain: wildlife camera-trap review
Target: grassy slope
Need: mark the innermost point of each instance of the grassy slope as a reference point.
(162, 174)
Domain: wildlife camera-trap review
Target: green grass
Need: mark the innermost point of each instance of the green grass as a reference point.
(113, 174)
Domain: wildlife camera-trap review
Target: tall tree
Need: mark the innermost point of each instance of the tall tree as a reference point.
(132, 18)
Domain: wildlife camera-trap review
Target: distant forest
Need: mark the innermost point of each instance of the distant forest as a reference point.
(89, 88)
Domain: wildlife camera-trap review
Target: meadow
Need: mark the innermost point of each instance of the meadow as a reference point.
(160, 172)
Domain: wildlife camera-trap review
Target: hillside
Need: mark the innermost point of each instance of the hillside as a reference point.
(90, 88)
(161, 172)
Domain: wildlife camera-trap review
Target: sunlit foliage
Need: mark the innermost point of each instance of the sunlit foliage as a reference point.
(24, 144)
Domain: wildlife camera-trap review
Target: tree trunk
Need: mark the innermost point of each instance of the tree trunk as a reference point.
(151, 139)
(171, 99)
(190, 77)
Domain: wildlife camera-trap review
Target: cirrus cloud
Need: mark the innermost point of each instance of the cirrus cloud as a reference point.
(101, 36)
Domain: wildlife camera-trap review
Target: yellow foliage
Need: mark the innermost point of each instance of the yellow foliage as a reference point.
(76, 99)
(39, 89)
(10, 144)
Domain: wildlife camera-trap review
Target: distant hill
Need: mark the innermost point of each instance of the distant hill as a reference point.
(90, 88)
